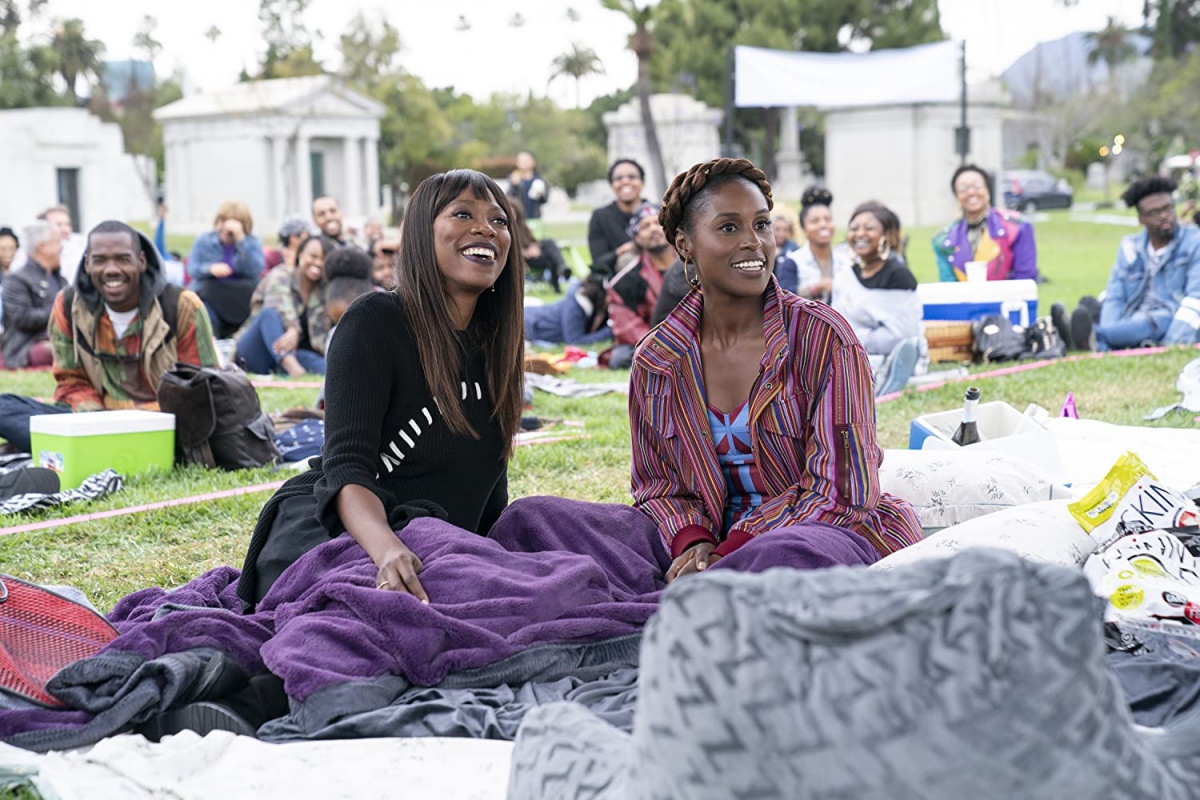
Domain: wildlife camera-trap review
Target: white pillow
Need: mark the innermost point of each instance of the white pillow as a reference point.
(1044, 532)
(947, 487)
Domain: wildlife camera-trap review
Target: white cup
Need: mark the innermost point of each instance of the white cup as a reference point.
(976, 271)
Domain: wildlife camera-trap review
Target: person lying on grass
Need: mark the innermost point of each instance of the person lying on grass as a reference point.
(751, 410)
(115, 333)
(423, 393)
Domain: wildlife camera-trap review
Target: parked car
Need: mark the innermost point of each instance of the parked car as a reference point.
(1028, 190)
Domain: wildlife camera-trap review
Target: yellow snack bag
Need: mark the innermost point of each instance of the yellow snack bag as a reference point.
(1128, 500)
(1097, 506)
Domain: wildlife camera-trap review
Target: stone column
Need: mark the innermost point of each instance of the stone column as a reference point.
(371, 171)
(351, 177)
(304, 188)
(789, 183)
(277, 191)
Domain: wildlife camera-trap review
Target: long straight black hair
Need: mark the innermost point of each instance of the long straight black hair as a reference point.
(497, 323)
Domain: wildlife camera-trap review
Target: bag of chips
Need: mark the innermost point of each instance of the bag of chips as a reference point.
(1129, 500)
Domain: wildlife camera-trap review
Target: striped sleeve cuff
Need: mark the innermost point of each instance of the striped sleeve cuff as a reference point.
(689, 536)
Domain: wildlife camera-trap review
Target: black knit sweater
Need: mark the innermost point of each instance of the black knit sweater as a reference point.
(383, 429)
(608, 229)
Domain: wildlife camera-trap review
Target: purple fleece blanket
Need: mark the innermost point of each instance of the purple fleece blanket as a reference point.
(551, 571)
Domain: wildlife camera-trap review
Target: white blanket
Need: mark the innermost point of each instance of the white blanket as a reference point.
(222, 766)
(1089, 449)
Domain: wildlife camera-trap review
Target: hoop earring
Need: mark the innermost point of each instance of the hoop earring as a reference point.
(885, 249)
(694, 279)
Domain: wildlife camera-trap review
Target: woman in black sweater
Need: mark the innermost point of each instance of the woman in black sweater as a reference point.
(608, 229)
(423, 394)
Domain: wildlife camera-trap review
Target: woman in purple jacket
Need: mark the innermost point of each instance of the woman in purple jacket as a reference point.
(1001, 239)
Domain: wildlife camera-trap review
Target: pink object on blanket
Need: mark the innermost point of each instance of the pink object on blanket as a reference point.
(1068, 410)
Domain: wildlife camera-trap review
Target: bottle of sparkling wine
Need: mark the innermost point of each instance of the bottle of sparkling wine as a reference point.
(968, 429)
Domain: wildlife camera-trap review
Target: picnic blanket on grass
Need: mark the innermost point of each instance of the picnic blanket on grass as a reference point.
(94, 487)
(559, 590)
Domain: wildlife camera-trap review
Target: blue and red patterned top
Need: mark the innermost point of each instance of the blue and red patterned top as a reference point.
(735, 453)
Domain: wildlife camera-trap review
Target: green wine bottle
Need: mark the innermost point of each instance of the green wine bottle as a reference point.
(968, 429)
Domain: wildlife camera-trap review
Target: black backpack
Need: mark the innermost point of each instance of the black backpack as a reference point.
(218, 419)
(998, 339)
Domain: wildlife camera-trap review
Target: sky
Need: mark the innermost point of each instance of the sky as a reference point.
(494, 56)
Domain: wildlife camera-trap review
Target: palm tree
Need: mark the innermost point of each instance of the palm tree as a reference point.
(642, 45)
(144, 38)
(1111, 45)
(78, 56)
(578, 64)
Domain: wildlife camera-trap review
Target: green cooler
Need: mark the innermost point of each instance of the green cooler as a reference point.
(77, 446)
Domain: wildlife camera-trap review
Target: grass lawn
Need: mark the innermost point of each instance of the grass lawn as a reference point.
(111, 557)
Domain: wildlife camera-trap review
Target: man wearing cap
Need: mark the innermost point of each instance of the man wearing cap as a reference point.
(634, 290)
(292, 232)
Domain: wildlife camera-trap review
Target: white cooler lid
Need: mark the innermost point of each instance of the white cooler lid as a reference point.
(951, 292)
(96, 423)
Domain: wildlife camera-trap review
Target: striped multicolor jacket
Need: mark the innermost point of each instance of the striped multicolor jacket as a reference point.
(812, 427)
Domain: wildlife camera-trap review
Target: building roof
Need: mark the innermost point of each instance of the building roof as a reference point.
(274, 96)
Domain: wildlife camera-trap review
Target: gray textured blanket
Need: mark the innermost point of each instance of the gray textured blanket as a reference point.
(979, 676)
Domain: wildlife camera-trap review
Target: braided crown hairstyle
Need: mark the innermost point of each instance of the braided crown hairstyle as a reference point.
(690, 190)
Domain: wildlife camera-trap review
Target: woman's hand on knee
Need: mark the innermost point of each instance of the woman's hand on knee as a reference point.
(695, 559)
(287, 342)
(398, 572)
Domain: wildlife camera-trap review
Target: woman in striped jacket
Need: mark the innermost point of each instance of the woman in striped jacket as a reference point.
(752, 409)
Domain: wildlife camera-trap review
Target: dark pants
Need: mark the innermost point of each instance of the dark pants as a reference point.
(621, 356)
(15, 412)
(227, 301)
(254, 347)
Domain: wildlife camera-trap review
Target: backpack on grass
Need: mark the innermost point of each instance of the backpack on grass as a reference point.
(218, 420)
(998, 339)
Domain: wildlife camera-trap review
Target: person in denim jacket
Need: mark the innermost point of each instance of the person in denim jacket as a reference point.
(1153, 293)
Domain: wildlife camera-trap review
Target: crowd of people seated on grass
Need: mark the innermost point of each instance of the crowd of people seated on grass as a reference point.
(751, 406)
(424, 395)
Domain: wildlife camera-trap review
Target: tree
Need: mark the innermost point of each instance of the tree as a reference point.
(1111, 45)
(26, 71)
(289, 52)
(414, 134)
(26, 74)
(369, 49)
(11, 16)
(579, 63)
(642, 43)
(1169, 114)
(1175, 25)
(78, 56)
(144, 40)
(693, 37)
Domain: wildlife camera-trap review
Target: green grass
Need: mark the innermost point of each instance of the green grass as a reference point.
(110, 558)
